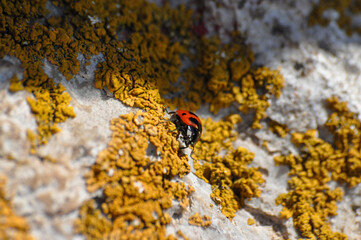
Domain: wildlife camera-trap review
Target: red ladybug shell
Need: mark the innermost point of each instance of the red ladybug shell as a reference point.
(190, 119)
(189, 125)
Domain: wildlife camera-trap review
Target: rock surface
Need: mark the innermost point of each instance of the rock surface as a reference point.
(317, 63)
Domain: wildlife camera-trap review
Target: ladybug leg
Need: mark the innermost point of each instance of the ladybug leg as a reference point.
(166, 110)
(173, 130)
(166, 120)
(192, 152)
(186, 142)
(186, 145)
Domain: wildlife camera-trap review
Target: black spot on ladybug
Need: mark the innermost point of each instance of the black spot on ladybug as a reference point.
(195, 121)
(183, 114)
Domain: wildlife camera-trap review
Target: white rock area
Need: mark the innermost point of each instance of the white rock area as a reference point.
(316, 62)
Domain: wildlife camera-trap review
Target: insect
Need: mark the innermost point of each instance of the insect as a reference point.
(188, 125)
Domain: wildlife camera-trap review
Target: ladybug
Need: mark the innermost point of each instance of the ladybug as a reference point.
(188, 125)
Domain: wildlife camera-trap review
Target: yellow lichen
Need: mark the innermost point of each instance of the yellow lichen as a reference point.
(142, 67)
(310, 200)
(182, 235)
(199, 221)
(50, 107)
(31, 42)
(250, 221)
(232, 181)
(32, 137)
(136, 189)
(345, 9)
(142, 45)
(280, 129)
(12, 226)
(223, 75)
(15, 84)
(346, 128)
(265, 145)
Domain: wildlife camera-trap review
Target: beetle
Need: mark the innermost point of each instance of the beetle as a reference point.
(188, 125)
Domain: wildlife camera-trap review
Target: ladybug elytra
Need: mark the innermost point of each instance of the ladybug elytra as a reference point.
(189, 126)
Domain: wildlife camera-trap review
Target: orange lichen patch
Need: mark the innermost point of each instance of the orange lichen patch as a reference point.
(280, 129)
(15, 84)
(94, 223)
(199, 221)
(250, 221)
(23, 37)
(142, 47)
(310, 200)
(50, 106)
(179, 233)
(232, 181)
(146, 62)
(31, 40)
(346, 128)
(12, 226)
(136, 189)
(224, 75)
(261, 79)
(345, 9)
(216, 136)
(265, 145)
(141, 44)
(33, 139)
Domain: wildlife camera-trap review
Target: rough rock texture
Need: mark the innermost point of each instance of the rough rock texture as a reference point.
(50, 193)
(317, 62)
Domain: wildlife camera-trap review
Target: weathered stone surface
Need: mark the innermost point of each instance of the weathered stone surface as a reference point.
(49, 193)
